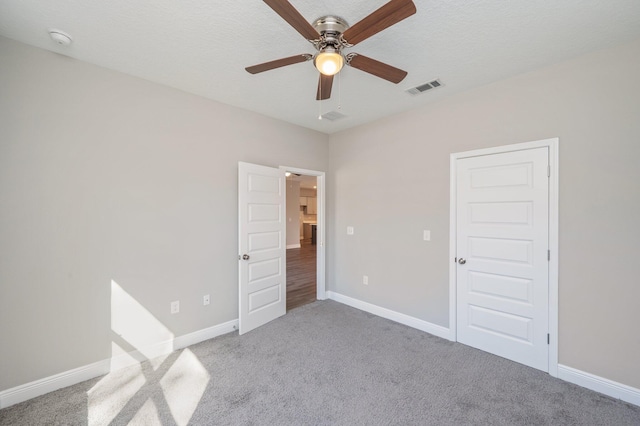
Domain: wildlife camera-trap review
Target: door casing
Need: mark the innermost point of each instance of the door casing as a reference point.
(553, 146)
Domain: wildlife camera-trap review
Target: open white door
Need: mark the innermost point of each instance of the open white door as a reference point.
(261, 224)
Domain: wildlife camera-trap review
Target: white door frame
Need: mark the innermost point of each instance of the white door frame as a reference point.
(321, 293)
(553, 145)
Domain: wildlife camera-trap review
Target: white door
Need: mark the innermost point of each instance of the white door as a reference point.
(261, 207)
(502, 254)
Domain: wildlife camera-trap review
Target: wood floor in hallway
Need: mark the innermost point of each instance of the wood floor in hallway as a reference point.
(301, 275)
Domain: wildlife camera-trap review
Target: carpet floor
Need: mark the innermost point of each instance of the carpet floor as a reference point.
(325, 364)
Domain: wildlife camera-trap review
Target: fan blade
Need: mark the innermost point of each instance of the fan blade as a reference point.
(377, 68)
(255, 69)
(386, 16)
(294, 18)
(324, 87)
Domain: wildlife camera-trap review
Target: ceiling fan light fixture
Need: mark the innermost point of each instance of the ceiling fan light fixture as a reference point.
(330, 34)
(329, 62)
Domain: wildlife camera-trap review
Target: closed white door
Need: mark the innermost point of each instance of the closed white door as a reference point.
(263, 282)
(502, 220)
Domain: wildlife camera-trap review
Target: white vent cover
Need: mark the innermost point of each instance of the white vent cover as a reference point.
(332, 116)
(424, 87)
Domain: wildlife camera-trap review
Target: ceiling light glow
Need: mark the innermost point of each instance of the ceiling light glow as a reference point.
(329, 63)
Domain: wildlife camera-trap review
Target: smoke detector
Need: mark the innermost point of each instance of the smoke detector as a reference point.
(60, 37)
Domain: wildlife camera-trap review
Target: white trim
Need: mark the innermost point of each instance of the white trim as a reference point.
(39, 387)
(185, 340)
(321, 286)
(36, 388)
(554, 246)
(453, 270)
(436, 330)
(553, 146)
(293, 246)
(139, 355)
(599, 384)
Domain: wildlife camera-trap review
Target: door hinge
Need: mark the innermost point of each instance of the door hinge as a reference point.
(548, 339)
(548, 171)
(548, 255)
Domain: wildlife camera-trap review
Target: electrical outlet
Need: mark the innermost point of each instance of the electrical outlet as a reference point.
(175, 307)
(365, 280)
(206, 300)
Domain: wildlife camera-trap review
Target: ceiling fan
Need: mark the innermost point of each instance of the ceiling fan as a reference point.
(331, 34)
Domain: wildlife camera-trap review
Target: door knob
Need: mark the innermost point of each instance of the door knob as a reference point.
(245, 257)
(462, 261)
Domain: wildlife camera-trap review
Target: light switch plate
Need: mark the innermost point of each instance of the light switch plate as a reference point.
(426, 235)
(349, 230)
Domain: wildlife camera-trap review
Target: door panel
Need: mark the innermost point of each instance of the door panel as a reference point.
(502, 234)
(261, 223)
(515, 213)
(500, 323)
(500, 250)
(500, 287)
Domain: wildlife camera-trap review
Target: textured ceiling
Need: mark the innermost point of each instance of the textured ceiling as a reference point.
(202, 47)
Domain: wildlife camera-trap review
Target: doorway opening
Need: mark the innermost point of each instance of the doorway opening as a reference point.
(304, 241)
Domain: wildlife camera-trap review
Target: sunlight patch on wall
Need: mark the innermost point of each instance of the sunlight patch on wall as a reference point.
(120, 358)
(183, 386)
(137, 327)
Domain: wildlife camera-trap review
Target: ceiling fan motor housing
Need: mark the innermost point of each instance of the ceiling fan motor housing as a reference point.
(330, 29)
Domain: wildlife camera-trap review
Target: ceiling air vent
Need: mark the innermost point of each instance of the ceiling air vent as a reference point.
(424, 87)
(332, 116)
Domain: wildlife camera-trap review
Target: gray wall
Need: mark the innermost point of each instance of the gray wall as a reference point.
(390, 180)
(107, 177)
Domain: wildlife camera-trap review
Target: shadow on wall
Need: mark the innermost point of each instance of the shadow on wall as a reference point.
(171, 382)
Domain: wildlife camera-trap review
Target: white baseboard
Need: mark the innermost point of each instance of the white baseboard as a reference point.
(599, 384)
(166, 347)
(436, 330)
(185, 340)
(292, 246)
(30, 390)
(68, 378)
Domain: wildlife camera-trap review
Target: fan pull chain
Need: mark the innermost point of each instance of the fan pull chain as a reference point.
(320, 109)
(320, 100)
(339, 90)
